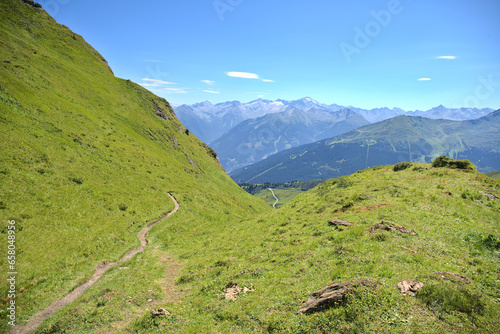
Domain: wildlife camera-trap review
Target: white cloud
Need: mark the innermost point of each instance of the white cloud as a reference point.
(208, 82)
(446, 57)
(149, 85)
(267, 80)
(424, 79)
(156, 82)
(244, 75)
(211, 91)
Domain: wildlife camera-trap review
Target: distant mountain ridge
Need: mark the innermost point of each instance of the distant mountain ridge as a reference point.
(255, 139)
(210, 121)
(402, 138)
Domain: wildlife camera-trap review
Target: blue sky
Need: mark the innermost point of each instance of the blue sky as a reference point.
(412, 54)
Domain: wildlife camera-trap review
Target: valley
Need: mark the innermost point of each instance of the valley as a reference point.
(126, 220)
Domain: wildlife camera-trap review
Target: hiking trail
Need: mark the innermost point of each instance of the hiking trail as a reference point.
(100, 269)
(274, 205)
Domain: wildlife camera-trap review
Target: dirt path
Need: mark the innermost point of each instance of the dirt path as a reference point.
(274, 205)
(100, 270)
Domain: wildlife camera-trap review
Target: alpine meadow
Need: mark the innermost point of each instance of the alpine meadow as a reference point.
(116, 218)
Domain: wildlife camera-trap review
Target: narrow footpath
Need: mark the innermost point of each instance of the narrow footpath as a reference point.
(100, 270)
(274, 205)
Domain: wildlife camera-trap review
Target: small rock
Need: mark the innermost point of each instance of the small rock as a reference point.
(488, 195)
(150, 300)
(390, 226)
(410, 287)
(445, 274)
(326, 297)
(160, 311)
(337, 222)
(233, 290)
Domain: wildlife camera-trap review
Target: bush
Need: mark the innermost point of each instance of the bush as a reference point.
(444, 161)
(77, 180)
(402, 166)
(464, 164)
(342, 182)
(122, 207)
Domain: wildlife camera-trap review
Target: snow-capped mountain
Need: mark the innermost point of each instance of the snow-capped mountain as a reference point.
(210, 121)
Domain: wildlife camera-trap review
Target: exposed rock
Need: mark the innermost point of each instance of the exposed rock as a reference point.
(105, 62)
(411, 250)
(32, 3)
(337, 222)
(326, 297)
(161, 113)
(160, 311)
(390, 226)
(233, 290)
(410, 287)
(445, 274)
(488, 195)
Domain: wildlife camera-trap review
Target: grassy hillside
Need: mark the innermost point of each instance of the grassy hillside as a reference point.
(495, 175)
(285, 255)
(87, 160)
(284, 191)
(402, 138)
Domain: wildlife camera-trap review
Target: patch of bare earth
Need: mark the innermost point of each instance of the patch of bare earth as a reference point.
(371, 208)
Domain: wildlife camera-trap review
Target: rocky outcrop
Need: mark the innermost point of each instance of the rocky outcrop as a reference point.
(325, 298)
(32, 3)
(410, 287)
(160, 112)
(233, 290)
(338, 222)
(160, 311)
(390, 226)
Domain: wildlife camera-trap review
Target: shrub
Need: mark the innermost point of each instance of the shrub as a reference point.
(444, 161)
(464, 164)
(342, 182)
(77, 180)
(402, 166)
(122, 207)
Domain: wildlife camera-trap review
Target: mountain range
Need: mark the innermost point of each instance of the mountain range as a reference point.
(210, 121)
(402, 138)
(256, 139)
(246, 133)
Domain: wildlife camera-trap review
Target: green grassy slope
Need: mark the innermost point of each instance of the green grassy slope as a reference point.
(86, 160)
(495, 175)
(285, 255)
